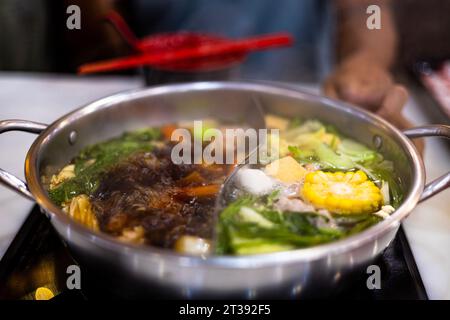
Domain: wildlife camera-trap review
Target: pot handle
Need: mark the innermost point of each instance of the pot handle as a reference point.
(434, 130)
(7, 178)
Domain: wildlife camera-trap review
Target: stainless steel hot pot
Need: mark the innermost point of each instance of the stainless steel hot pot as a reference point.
(146, 270)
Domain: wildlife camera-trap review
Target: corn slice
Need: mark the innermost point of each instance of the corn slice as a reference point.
(339, 192)
(80, 210)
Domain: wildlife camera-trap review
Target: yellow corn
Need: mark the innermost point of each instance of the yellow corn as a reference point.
(339, 192)
(43, 293)
(80, 210)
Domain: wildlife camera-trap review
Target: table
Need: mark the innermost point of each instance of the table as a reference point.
(44, 98)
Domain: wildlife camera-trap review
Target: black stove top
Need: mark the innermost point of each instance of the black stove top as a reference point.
(37, 258)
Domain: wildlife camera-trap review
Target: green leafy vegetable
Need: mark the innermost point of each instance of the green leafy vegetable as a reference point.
(272, 197)
(250, 226)
(384, 171)
(296, 126)
(225, 219)
(324, 156)
(333, 160)
(364, 224)
(95, 160)
(303, 155)
(356, 151)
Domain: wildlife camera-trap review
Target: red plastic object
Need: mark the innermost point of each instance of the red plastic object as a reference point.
(208, 50)
(183, 51)
(174, 41)
(169, 42)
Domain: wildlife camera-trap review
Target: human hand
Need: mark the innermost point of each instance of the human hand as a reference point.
(359, 80)
(363, 82)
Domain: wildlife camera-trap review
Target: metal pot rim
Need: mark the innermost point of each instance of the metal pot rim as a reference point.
(253, 261)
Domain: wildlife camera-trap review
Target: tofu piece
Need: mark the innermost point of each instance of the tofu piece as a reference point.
(276, 122)
(286, 169)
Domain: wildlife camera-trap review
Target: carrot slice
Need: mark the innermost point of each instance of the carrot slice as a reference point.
(202, 191)
(167, 130)
(193, 177)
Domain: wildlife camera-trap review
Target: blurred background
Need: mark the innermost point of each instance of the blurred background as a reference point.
(34, 36)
